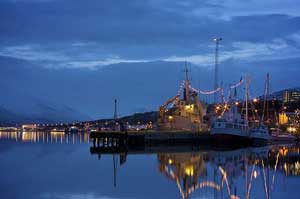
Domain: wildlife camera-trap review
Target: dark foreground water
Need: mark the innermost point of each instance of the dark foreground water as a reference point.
(41, 165)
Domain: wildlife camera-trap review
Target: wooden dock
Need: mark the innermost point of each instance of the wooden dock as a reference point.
(148, 137)
(122, 142)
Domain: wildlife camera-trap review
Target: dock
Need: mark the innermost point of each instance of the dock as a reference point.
(149, 137)
(116, 142)
(122, 142)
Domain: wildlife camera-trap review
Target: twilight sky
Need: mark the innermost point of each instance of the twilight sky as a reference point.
(68, 33)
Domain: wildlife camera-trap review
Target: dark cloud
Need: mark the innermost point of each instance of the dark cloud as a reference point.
(131, 22)
(78, 34)
(87, 33)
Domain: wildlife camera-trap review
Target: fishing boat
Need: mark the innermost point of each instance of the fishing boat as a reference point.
(226, 129)
(231, 127)
(260, 134)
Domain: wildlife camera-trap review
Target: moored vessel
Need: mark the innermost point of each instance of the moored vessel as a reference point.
(260, 134)
(230, 127)
(279, 136)
(224, 130)
(182, 113)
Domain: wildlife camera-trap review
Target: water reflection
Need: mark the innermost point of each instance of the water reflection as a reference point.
(139, 171)
(53, 137)
(241, 173)
(185, 169)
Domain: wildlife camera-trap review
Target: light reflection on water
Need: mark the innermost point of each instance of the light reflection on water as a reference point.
(59, 165)
(54, 137)
(230, 174)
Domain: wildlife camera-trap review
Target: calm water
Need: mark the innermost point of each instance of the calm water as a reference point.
(41, 165)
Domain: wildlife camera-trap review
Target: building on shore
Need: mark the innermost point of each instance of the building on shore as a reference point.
(29, 127)
(292, 95)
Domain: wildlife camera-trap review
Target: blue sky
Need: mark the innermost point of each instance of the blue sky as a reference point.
(67, 33)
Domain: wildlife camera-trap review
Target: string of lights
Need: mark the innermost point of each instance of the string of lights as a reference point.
(237, 84)
(205, 92)
(181, 87)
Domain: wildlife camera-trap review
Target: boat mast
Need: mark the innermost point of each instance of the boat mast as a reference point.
(268, 94)
(187, 85)
(235, 107)
(246, 99)
(266, 104)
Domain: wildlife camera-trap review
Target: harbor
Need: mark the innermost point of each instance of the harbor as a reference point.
(152, 99)
(185, 119)
(233, 120)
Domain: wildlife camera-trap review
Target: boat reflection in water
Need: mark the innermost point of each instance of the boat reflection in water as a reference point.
(186, 171)
(240, 173)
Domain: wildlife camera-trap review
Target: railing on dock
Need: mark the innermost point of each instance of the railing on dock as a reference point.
(109, 139)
